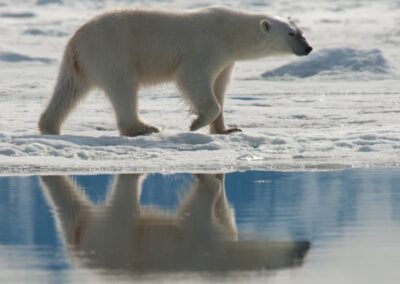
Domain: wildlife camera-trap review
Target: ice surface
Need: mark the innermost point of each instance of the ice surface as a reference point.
(340, 109)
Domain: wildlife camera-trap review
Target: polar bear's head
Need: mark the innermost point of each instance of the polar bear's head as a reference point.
(283, 36)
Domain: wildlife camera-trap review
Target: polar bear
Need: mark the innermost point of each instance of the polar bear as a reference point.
(123, 50)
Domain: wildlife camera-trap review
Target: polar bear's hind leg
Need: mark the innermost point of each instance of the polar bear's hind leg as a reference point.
(71, 87)
(122, 93)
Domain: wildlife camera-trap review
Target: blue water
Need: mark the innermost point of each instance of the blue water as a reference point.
(322, 208)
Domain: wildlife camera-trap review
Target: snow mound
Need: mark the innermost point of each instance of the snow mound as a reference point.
(6, 56)
(46, 2)
(333, 62)
(17, 15)
(44, 32)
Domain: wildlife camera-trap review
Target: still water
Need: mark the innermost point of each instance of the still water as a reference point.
(253, 227)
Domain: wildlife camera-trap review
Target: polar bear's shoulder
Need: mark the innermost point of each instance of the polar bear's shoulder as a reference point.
(220, 10)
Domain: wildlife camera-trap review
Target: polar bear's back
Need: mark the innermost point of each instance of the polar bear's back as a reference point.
(151, 42)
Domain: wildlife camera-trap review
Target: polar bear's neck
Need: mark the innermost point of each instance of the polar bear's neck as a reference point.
(241, 33)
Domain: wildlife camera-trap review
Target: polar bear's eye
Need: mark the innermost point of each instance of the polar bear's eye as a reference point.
(291, 34)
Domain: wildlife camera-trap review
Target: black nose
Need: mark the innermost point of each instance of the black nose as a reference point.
(308, 50)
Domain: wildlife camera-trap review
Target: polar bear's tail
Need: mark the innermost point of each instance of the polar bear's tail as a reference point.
(70, 88)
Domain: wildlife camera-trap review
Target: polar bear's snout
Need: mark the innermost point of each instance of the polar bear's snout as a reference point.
(295, 39)
(301, 47)
(299, 44)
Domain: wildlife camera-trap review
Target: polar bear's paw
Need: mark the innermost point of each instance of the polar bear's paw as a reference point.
(47, 126)
(49, 130)
(226, 131)
(140, 129)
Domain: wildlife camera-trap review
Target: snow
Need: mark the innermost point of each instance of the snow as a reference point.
(336, 108)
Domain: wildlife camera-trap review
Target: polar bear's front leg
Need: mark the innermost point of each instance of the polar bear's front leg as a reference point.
(220, 84)
(198, 92)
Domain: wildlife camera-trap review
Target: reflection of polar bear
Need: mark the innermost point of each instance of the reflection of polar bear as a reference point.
(202, 235)
(123, 50)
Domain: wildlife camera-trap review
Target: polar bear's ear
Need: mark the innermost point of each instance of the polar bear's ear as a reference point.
(265, 25)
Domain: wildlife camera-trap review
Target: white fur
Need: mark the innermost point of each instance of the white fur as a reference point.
(123, 50)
